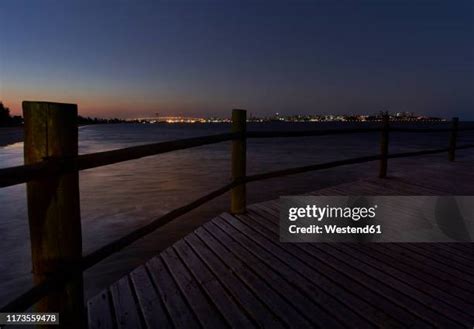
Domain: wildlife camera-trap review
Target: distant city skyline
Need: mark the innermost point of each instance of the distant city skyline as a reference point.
(203, 58)
(397, 116)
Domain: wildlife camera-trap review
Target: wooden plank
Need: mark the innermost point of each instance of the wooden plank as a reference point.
(421, 270)
(446, 261)
(99, 312)
(332, 275)
(224, 302)
(180, 313)
(377, 271)
(234, 272)
(432, 264)
(465, 250)
(434, 288)
(268, 214)
(389, 288)
(295, 288)
(205, 311)
(274, 212)
(274, 300)
(350, 264)
(463, 264)
(262, 316)
(125, 308)
(151, 305)
(306, 266)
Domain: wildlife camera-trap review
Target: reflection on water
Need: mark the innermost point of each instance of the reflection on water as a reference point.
(117, 198)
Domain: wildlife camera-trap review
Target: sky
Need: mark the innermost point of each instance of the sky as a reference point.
(203, 58)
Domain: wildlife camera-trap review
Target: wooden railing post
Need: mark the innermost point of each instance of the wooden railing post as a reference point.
(452, 139)
(239, 155)
(53, 207)
(384, 146)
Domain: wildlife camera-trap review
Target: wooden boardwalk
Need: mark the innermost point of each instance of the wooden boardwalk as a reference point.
(234, 272)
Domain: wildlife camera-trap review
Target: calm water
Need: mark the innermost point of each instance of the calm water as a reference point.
(118, 198)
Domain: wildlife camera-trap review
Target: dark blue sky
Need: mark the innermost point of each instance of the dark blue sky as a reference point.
(135, 58)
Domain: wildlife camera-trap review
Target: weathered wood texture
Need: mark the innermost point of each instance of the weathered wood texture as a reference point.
(53, 204)
(234, 272)
(384, 146)
(239, 161)
(453, 139)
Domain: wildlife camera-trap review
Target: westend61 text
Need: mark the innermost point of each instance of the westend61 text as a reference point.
(334, 229)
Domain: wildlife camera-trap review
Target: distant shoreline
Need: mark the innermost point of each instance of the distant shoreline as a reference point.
(14, 134)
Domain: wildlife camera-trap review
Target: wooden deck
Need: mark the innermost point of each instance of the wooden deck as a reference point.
(233, 272)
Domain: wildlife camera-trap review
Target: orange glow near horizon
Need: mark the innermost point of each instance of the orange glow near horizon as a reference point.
(97, 106)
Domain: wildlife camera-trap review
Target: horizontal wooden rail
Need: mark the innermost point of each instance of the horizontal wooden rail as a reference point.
(50, 167)
(23, 174)
(88, 161)
(57, 280)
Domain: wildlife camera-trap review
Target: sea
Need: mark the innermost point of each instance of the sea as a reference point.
(118, 198)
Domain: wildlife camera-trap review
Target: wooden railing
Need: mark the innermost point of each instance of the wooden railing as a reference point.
(51, 171)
